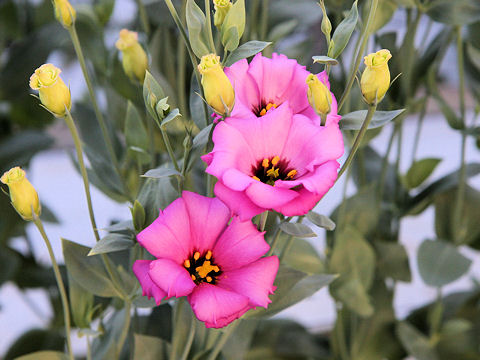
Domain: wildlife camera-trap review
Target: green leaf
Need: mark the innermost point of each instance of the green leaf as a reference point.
(19, 148)
(44, 355)
(440, 263)
(185, 317)
(156, 194)
(344, 31)
(152, 93)
(172, 115)
(197, 30)
(149, 348)
(110, 243)
(383, 14)
(354, 120)
(297, 230)
(324, 60)
(161, 172)
(246, 50)
(415, 342)
(354, 260)
(458, 12)
(33, 341)
(301, 255)
(88, 272)
(9, 264)
(392, 261)
(420, 171)
(233, 25)
(201, 139)
(138, 216)
(135, 132)
(292, 287)
(105, 346)
(81, 304)
(321, 220)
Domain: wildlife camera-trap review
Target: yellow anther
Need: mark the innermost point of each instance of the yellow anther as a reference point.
(291, 173)
(272, 172)
(263, 112)
(216, 269)
(275, 160)
(209, 279)
(270, 105)
(193, 277)
(196, 256)
(205, 269)
(265, 163)
(186, 263)
(209, 255)
(255, 178)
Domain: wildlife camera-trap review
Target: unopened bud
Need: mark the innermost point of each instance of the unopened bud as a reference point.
(376, 76)
(134, 58)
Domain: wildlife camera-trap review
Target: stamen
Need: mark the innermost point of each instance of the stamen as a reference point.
(291, 173)
(265, 163)
(193, 277)
(273, 172)
(255, 178)
(186, 263)
(267, 108)
(263, 112)
(275, 160)
(196, 256)
(209, 279)
(209, 255)
(205, 269)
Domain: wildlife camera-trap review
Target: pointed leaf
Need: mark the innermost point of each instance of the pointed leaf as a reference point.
(324, 60)
(112, 242)
(420, 171)
(197, 31)
(321, 220)
(246, 50)
(344, 31)
(297, 230)
(354, 120)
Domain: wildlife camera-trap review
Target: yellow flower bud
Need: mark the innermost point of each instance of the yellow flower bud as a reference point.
(134, 58)
(319, 95)
(22, 194)
(54, 94)
(217, 88)
(222, 7)
(376, 76)
(64, 12)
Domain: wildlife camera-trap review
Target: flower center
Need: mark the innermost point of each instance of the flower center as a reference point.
(269, 170)
(266, 108)
(202, 268)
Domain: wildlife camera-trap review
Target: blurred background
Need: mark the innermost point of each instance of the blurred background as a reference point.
(30, 136)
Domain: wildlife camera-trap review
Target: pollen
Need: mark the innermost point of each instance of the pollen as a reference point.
(275, 160)
(255, 178)
(186, 263)
(196, 256)
(193, 277)
(209, 279)
(266, 108)
(291, 174)
(209, 255)
(265, 163)
(205, 269)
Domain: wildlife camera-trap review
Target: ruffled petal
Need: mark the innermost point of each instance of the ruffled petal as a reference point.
(169, 235)
(239, 245)
(254, 281)
(217, 307)
(172, 278)
(305, 202)
(149, 288)
(237, 201)
(208, 219)
(268, 196)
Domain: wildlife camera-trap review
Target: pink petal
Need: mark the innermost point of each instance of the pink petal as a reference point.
(236, 180)
(172, 278)
(239, 245)
(215, 306)
(169, 235)
(255, 280)
(268, 196)
(305, 202)
(149, 288)
(237, 201)
(208, 218)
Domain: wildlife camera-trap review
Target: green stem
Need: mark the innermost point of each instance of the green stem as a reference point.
(264, 20)
(341, 336)
(383, 171)
(166, 141)
(61, 286)
(364, 37)
(181, 69)
(83, 171)
(460, 198)
(143, 17)
(89, 348)
(276, 237)
(98, 112)
(289, 243)
(223, 339)
(421, 117)
(191, 336)
(176, 325)
(126, 327)
(193, 59)
(358, 139)
(208, 17)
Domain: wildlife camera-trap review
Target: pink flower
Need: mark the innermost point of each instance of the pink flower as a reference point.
(218, 266)
(279, 161)
(265, 84)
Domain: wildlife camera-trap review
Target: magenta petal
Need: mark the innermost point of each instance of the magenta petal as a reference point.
(236, 180)
(268, 196)
(237, 201)
(149, 288)
(239, 245)
(172, 278)
(208, 218)
(305, 202)
(217, 307)
(255, 280)
(169, 235)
